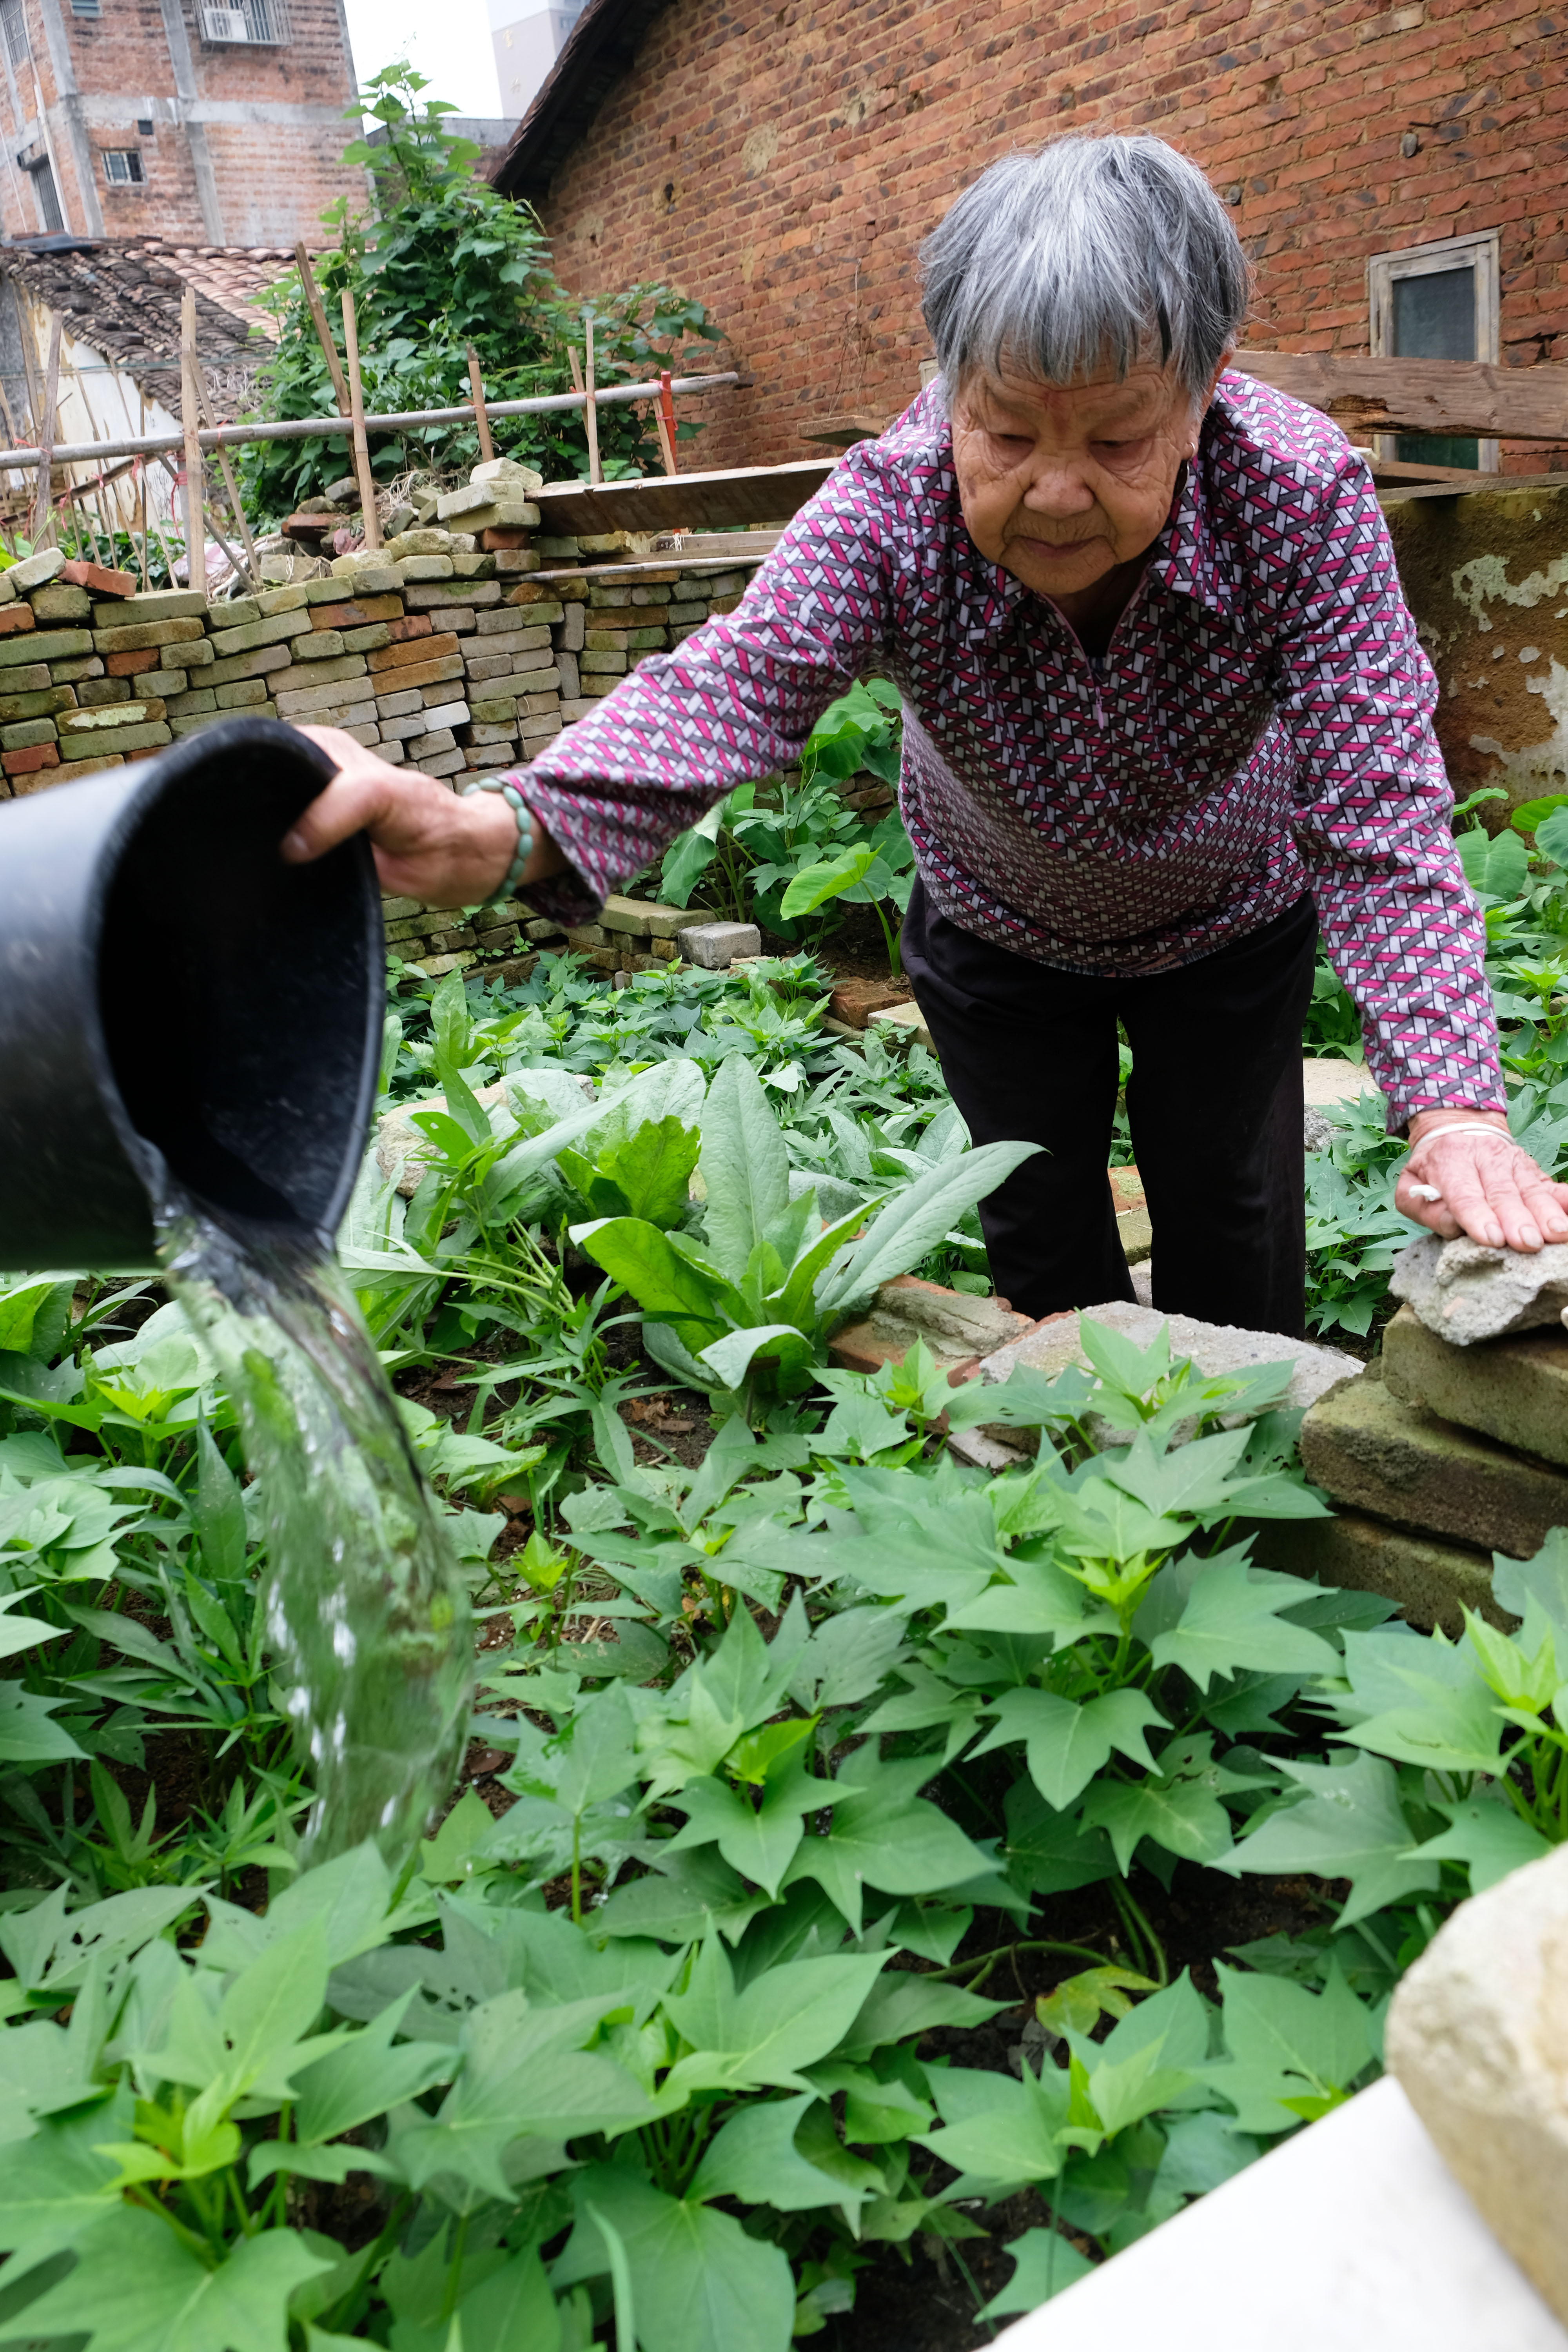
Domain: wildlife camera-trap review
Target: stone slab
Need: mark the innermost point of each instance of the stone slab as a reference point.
(958, 1329)
(902, 1020)
(1326, 1079)
(1477, 2037)
(1351, 2236)
(1515, 1389)
(713, 947)
(1430, 1582)
(1467, 1292)
(1213, 1347)
(1367, 1448)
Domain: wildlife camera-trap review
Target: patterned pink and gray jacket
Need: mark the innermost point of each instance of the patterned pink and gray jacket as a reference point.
(1261, 727)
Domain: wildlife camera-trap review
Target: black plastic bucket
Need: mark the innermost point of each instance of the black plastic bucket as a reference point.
(175, 1001)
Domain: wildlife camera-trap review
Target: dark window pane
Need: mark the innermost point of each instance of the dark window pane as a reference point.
(53, 223)
(1435, 318)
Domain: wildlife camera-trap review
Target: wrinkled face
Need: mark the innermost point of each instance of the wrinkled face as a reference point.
(1060, 483)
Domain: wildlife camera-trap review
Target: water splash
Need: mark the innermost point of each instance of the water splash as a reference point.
(367, 1617)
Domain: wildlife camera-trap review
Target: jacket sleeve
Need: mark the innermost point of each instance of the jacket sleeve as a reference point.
(1373, 807)
(737, 699)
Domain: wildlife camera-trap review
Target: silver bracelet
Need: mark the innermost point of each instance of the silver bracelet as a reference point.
(1499, 1134)
(510, 793)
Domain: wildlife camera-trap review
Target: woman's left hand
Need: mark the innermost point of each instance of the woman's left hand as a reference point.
(1488, 1187)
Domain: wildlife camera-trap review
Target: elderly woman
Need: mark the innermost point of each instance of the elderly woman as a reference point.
(1165, 718)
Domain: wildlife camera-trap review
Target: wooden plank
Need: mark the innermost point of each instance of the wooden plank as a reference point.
(751, 496)
(1476, 485)
(1447, 396)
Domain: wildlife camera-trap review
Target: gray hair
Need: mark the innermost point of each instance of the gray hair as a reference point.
(1088, 251)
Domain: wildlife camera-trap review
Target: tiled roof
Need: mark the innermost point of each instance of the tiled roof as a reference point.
(124, 299)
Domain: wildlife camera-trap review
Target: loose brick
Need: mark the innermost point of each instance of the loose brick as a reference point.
(34, 678)
(133, 637)
(271, 629)
(357, 614)
(243, 694)
(317, 673)
(72, 671)
(163, 682)
(202, 698)
(43, 645)
(1401, 1462)
(417, 651)
(414, 624)
(154, 604)
(253, 664)
(101, 582)
(432, 598)
(427, 673)
(41, 705)
(122, 719)
(16, 619)
(69, 771)
(94, 692)
(25, 733)
(29, 763)
(133, 664)
(58, 600)
(318, 646)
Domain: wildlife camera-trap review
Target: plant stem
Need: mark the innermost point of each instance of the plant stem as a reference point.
(1151, 1950)
(577, 1870)
(987, 1960)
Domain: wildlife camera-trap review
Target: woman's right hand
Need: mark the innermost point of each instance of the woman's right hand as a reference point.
(429, 843)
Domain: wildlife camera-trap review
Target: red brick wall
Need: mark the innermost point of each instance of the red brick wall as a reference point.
(274, 177)
(781, 163)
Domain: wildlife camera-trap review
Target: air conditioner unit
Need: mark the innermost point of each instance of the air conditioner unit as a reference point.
(225, 24)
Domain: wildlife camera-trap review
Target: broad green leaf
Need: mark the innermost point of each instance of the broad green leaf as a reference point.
(885, 1835)
(784, 2019)
(138, 2289)
(1124, 2090)
(1044, 2263)
(513, 2310)
(1348, 1825)
(19, 1304)
(1230, 1623)
(1180, 1813)
(640, 1258)
(1438, 1726)
(1535, 814)
(366, 2076)
(1290, 2050)
(998, 2130)
(758, 1840)
(27, 1736)
(653, 1169)
(1067, 1744)
(1040, 1598)
(55, 2187)
(1485, 1833)
(744, 1165)
(1499, 867)
(23, 1632)
(815, 885)
(902, 2005)
(1052, 1853)
(699, 2283)
(732, 1357)
(911, 1225)
(755, 2158)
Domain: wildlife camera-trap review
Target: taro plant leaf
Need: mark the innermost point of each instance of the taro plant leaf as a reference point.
(785, 2019)
(1499, 866)
(1348, 1825)
(1294, 2053)
(815, 885)
(138, 2288)
(1231, 1621)
(885, 1835)
(744, 1164)
(1044, 2263)
(699, 2283)
(753, 2157)
(1066, 1744)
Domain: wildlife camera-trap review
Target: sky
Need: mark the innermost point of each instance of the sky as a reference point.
(450, 43)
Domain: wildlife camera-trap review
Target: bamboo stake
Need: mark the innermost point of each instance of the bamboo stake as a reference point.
(356, 410)
(142, 482)
(190, 417)
(30, 375)
(476, 385)
(664, 417)
(11, 429)
(323, 334)
(43, 516)
(590, 405)
(252, 575)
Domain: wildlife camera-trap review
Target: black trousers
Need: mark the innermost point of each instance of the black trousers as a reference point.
(1213, 1103)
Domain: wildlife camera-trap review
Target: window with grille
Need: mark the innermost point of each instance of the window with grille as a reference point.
(122, 167)
(1437, 302)
(13, 23)
(87, 7)
(264, 22)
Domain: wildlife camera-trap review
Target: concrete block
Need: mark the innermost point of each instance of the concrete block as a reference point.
(1475, 2038)
(1515, 1389)
(647, 919)
(34, 570)
(715, 946)
(1366, 1448)
(1466, 1292)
